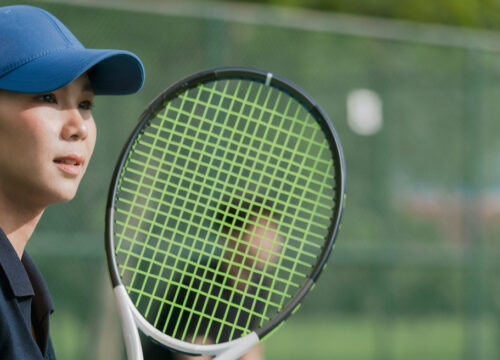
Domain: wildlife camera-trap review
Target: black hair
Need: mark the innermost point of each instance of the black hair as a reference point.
(235, 213)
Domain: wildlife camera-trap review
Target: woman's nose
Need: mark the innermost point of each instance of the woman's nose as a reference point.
(75, 127)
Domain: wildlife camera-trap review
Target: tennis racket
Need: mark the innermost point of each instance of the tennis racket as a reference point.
(222, 212)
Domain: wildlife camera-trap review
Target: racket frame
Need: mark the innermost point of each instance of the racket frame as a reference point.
(237, 347)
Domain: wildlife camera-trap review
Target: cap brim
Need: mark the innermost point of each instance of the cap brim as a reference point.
(115, 72)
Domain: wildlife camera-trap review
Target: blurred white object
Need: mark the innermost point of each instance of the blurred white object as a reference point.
(364, 111)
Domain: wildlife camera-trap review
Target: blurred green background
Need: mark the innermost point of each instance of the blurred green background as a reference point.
(414, 272)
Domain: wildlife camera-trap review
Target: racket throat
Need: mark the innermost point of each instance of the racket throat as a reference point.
(235, 352)
(130, 332)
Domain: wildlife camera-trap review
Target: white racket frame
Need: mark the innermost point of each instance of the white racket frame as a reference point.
(132, 320)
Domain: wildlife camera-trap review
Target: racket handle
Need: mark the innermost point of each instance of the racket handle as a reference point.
(130, 332)
(235, 352)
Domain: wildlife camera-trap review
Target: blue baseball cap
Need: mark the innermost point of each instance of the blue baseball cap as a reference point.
(39, 54)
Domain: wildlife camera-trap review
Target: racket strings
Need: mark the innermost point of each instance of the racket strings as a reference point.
(181, 167)
(225, 315)
(188, 247)
(212, 283)
(164, 118)
(234, 254)
(254, 133)
(182, 276)
(142, 213)
(273, 158)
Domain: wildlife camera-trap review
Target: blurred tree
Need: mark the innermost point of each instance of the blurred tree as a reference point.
(467, 13)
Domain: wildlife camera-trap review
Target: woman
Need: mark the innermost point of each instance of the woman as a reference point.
(48, 81)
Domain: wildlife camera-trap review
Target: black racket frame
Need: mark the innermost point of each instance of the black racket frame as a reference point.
(269, 79)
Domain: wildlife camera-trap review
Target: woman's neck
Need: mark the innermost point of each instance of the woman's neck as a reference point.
(18, 222)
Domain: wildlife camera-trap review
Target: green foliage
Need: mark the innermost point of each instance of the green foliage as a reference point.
(372, 337)
(467, 13)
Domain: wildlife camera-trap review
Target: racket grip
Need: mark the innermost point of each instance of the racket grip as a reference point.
(130, 332)
(243, 346)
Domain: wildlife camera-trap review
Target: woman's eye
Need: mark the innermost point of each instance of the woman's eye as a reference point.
(47, 98)
(86, 105)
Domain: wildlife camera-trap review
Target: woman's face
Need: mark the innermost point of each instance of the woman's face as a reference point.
(46, 141)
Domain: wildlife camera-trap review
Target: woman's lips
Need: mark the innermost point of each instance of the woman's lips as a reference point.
(69, 164)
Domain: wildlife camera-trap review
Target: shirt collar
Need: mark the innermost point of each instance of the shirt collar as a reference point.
(42, 304)
(14, 269)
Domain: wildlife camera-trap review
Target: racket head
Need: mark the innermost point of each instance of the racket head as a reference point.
(215, 158)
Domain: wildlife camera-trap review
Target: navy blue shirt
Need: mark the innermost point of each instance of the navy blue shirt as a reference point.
(25, 304)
